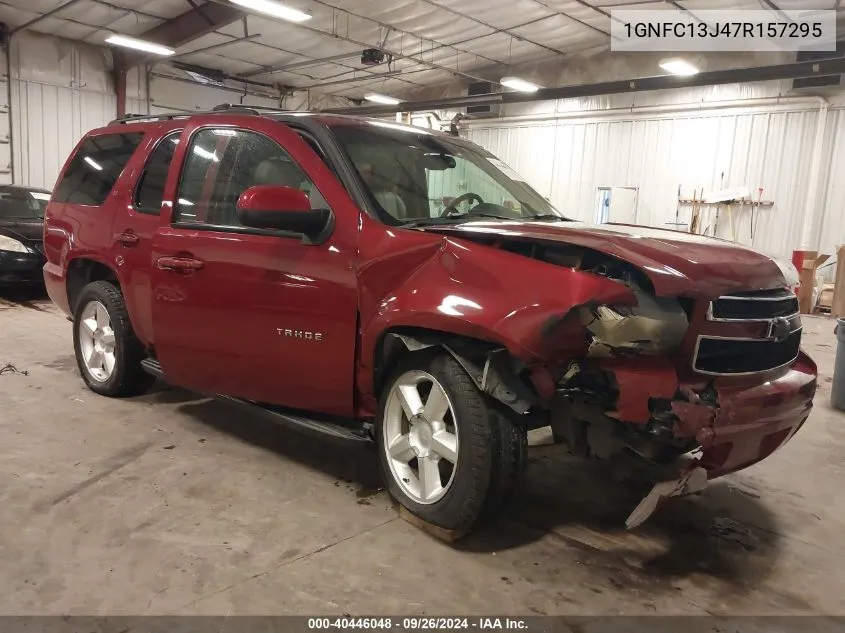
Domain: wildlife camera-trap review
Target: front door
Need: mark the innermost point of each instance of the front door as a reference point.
(259, 315)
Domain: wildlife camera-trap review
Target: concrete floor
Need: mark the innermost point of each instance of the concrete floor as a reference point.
(171, 503)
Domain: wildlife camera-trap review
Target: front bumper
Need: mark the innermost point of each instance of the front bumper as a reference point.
(751, 421)
(735, 423)
(21, 268)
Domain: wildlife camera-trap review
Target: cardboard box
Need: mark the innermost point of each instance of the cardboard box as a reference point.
(825, 302)
(812, 260)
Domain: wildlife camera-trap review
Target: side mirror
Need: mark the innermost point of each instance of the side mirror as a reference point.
(281, 208)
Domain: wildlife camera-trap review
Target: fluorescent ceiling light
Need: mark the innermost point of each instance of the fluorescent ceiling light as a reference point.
(39, 195)
(274, 9)
(377, 98)
(515, 83)
(140, 45)
(93, 163)
(224, 132)
(678, 67)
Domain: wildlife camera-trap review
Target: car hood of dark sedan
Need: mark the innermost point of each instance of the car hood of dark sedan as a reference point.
(22, 229)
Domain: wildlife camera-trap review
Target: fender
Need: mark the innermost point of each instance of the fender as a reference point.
(471, 290)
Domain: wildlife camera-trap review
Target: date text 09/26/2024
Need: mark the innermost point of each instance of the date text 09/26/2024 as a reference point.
(417, 623)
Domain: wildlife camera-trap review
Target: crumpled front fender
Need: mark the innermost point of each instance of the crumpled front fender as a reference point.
(472, 290)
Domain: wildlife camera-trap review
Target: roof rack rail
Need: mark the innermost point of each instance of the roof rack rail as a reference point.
(135, 118)
(240, 107)
(218, 109)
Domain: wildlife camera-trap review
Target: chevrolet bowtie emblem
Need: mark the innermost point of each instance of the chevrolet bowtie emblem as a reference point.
(779, 329)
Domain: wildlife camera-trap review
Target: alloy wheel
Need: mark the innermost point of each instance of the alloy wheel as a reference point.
(97, 341)
(420, 437)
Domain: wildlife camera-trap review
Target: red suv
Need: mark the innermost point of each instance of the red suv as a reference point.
(372, 281)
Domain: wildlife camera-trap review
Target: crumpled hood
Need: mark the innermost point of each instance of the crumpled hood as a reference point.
(676, 262)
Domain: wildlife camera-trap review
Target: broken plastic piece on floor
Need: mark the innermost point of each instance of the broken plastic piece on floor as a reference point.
(693, 481)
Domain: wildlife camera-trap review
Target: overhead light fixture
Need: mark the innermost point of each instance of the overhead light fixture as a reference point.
(515, 83)
(377, 98)
(93, 163)
(38, 195)
(139, 45)
(679, 67)
(274, 9)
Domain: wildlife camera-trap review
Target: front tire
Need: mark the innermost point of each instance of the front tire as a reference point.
(107, 350)
(448, 453)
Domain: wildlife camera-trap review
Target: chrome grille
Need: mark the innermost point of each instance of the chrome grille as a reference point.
(777, 345)
(754, 306)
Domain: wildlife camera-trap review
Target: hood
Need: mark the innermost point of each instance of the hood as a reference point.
(23, 229)
(677, 263)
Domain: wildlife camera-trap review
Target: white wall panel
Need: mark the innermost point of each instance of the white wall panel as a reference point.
(5, 126)
(48, 122)
(832, 224)
(568, 159)
(59, 91)
(167, 95)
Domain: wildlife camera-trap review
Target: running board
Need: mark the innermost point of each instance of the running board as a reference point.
(322, 427)
(152, 367)
(296, 421)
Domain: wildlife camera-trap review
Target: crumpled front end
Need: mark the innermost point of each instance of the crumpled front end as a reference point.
(733, 390)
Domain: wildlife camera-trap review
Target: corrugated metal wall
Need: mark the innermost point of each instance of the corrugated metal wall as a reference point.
(569, 158)
(59, 91)
(48, 122)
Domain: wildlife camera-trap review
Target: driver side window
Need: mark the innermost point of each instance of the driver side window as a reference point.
(222, 163)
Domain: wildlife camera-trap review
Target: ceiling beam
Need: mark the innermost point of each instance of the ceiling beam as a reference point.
(185, 28)
(270, 70)
(395, 54)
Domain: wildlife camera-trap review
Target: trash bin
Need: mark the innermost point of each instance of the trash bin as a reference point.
(837, 392)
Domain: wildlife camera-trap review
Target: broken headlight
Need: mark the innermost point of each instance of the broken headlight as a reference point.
(654, 326)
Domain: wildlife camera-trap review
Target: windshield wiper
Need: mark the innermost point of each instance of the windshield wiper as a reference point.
(454, 219)
(487, 215)
(549, 216)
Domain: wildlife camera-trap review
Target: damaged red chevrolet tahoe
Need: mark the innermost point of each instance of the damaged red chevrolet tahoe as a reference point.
(375, 282)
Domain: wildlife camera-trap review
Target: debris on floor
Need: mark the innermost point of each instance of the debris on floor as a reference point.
(11, 369)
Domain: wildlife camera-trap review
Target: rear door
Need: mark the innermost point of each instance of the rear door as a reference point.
(260, 315)
(137, 221)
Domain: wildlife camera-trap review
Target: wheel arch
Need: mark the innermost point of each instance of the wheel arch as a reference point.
(81, 271)
(489, 364)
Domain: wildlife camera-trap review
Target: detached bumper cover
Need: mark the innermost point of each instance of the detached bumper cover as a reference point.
(21, 267)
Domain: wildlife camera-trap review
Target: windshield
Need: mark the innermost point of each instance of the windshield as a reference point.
(23, 204)
(417, 177)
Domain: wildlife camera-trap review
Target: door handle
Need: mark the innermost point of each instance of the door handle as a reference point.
(179, 264)
(128, 238)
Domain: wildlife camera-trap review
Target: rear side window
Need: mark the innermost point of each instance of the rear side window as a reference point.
(96, 167)
(150, 190)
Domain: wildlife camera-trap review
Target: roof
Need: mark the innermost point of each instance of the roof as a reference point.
(282, 115)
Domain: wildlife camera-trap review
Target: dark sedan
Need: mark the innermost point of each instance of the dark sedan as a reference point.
(21, 234)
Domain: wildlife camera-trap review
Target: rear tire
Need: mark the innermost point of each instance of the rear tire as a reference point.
(107, 350)
(458, 456)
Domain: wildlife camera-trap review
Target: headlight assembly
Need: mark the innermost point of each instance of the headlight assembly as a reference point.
(654, 326)
(12, 245)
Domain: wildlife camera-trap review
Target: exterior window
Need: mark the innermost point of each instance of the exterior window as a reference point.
(221, 164)
(150, 192)
(95, 168)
